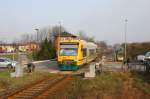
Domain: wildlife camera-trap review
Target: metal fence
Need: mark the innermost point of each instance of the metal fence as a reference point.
(139, 66)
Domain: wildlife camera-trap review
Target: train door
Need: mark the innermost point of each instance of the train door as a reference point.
(84, 55)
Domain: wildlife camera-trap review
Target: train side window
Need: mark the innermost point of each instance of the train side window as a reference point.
(84, 52)
(2, 60)
(91, 51)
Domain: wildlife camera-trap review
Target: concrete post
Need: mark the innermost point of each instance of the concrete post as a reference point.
(91, 72)
(18, 68)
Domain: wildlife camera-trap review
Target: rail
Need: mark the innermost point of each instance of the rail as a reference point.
(38, 90)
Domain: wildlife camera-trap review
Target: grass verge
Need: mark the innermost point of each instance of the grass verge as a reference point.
(108, 85)
(15, 56)
(10, 56)
(142, 81)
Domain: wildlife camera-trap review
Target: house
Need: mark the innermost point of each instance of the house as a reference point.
(28, 47)
(7, 48)
(23, 47)
(62, 36)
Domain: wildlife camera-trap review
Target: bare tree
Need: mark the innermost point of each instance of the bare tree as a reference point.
(102, 47)
(83, 35)
(117, 48)
(102, 44)
(50, 32)
(25, 38)
(43, 33)
(56, 30)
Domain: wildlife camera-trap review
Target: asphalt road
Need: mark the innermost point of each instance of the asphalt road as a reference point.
(108, 66)
(52, 66)
(47, 65)
(112, 66)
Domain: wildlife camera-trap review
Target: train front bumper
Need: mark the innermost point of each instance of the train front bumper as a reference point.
(68, 67)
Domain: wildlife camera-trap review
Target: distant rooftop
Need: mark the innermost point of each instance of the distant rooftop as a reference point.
(13, 44)
(65, 34)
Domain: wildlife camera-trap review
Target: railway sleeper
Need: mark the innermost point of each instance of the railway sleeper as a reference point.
(52, 91)
(23, 94)
(22, 97)
(50, 85)
(33, 91)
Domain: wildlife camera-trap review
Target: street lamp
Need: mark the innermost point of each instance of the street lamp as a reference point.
(37, 38)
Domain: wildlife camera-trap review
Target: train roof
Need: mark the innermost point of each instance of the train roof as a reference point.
(91, 45)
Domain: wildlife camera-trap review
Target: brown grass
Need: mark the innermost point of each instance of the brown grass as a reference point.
(115, 85)
(8, 84)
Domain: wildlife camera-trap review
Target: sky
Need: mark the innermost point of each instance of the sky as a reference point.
(103, 19)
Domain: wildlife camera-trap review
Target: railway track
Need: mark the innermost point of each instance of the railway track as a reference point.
(42, 90)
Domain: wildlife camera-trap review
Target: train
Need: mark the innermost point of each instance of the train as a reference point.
(74, 53)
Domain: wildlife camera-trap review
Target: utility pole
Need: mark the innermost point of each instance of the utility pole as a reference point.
(59, 28)
(124, 67)
(59, 37)
(59, 33)
(125, 40)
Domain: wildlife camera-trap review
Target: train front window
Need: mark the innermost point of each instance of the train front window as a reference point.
(68, 51)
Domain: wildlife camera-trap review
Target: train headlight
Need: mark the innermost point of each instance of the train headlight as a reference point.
(75, 60)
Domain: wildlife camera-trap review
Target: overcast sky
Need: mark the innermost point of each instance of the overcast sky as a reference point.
(103, 19)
